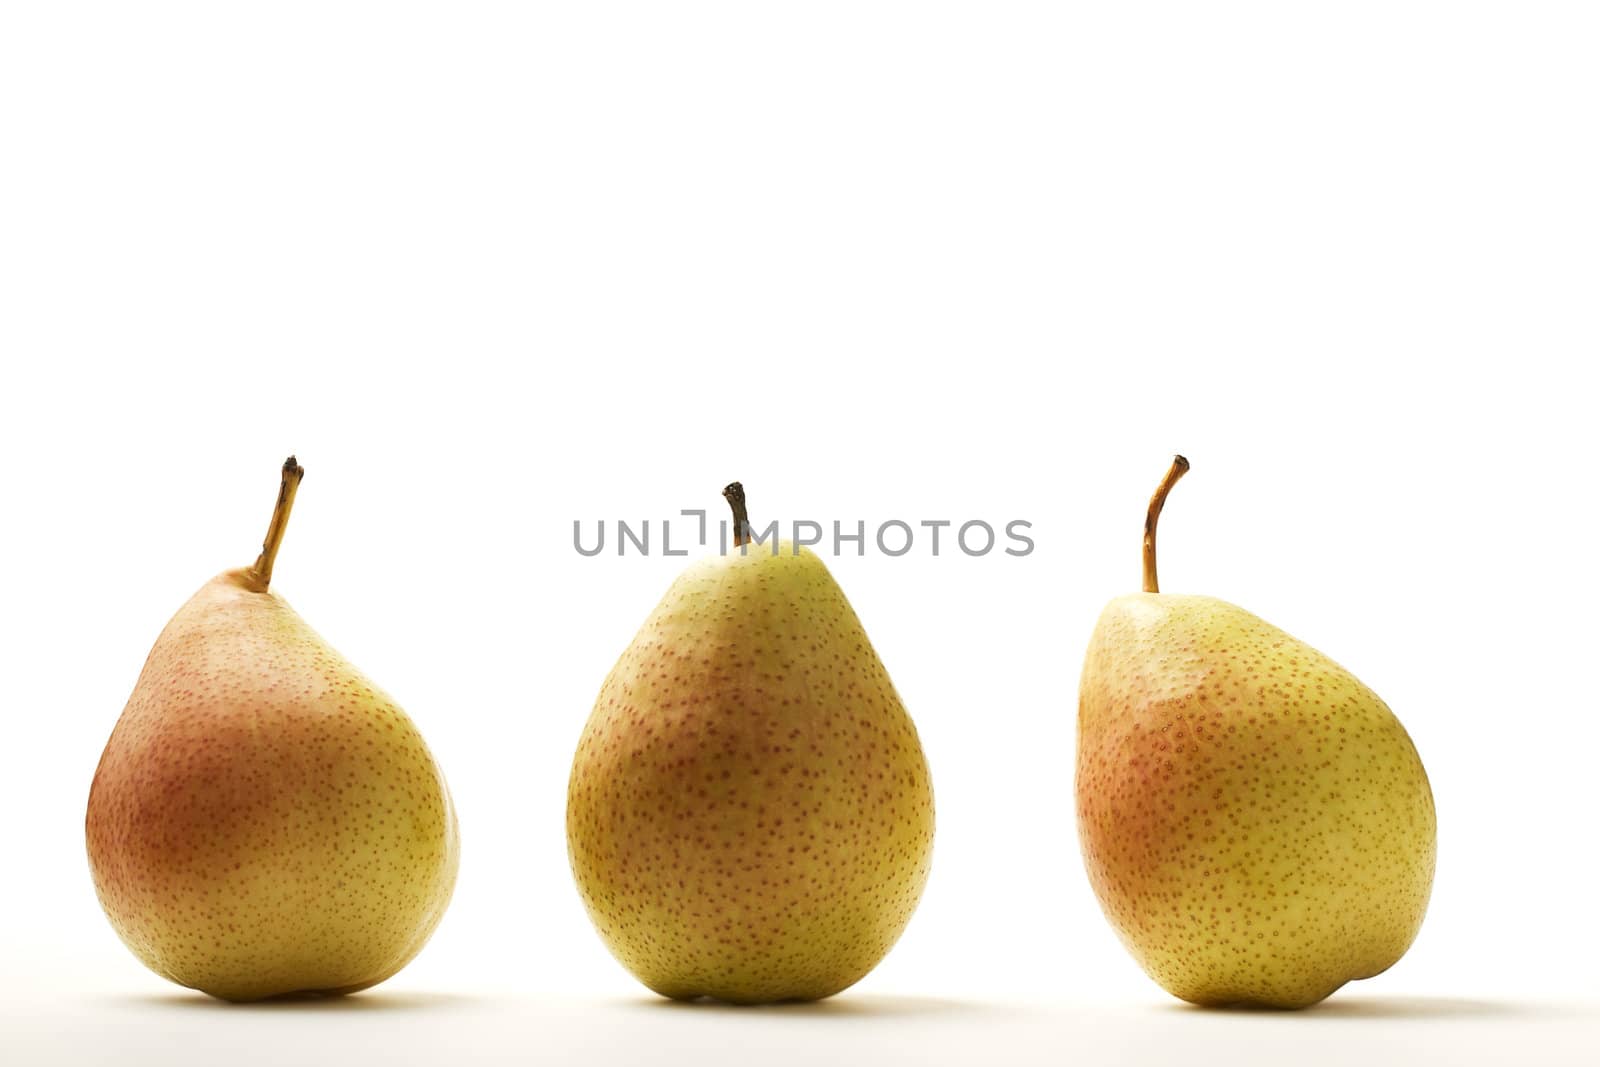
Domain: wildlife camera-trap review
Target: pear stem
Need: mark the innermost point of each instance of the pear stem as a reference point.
(733, 493)
(261, 571)
(1179, 468)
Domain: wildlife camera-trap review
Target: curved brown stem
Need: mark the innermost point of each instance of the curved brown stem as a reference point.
(1180, 466)
(733, 493)
(261, 571)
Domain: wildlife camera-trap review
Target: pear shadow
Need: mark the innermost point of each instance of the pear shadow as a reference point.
(1337, 1007)
(843, 1006)
(299, 1003)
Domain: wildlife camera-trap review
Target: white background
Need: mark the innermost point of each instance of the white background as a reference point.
(490, 268)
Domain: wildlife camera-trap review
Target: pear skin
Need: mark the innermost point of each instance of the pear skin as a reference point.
(265, 820)
(750, 815)
(1255, 821)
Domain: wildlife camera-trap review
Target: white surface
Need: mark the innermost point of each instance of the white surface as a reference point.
(401, 1028)
(490, 268)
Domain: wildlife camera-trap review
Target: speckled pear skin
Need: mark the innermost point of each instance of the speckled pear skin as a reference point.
(750, 816)
(1255, 821)
(265, 820)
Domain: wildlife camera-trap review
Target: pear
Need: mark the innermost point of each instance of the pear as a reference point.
(1256, 823)
(750, 816)
(265, 820)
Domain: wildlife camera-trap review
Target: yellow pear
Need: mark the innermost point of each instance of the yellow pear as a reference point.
(1256, 823)
(750, 816)
(265, 820)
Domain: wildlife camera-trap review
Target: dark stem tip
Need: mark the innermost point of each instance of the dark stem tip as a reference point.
(733, 493)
